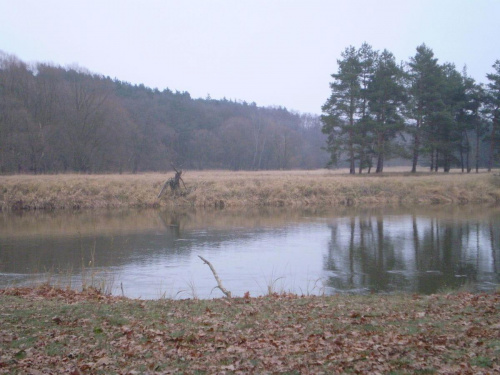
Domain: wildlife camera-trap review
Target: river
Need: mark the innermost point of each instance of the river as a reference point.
(154, 254)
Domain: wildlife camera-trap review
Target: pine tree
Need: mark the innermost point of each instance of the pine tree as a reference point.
(347, 107)
(364, 134)
(386, 97)
(448, 130)
(343, 107)
(493, 111)
(471, 124)
(425, 92)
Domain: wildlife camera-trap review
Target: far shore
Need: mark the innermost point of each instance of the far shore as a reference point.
(224, 189)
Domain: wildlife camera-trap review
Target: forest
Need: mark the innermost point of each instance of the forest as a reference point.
(420, 110)
(55, 119)
(420, 113)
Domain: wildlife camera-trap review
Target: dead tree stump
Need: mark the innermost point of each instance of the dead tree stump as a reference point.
(173, 182)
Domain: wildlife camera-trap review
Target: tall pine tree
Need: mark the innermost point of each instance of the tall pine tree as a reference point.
(364, 134)
(344, 107)
(425, 103)
(386, 97)
(448, 130)
(346, 119)
(493, 111)
(471, 124)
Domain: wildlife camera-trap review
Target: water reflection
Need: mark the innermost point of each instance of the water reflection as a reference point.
(150, 253)
(412, 252)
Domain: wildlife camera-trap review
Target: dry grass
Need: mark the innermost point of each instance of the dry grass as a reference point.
(244, 189)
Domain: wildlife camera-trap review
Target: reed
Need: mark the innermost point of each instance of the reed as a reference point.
(221, 189)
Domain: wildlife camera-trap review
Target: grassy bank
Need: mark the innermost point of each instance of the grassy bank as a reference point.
(54, 331)
(243, 189)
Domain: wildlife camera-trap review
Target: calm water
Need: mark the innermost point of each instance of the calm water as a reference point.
(153, 254)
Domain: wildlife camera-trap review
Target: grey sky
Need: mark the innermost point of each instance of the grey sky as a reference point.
(272, 52)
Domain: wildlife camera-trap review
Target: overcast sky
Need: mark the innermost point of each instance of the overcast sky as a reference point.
(271, 52)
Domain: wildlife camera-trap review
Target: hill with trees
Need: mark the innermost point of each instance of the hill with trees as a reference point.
(55, 119)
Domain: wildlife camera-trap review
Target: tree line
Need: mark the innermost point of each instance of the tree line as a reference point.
(421, 110)
(55, 119)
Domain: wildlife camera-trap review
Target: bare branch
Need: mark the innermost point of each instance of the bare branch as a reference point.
(219, 283)
(180, 178)
(173, 166)
(163, 188)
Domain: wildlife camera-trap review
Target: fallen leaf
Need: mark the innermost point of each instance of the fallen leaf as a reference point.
(104, 361)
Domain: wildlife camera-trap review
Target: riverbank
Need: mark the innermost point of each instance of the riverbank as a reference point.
(53, 331)
(220, 189)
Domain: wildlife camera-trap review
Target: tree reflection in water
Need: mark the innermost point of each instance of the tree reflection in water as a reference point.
(375, 253)
(383, 250)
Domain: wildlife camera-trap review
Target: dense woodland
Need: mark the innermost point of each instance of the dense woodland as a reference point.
(420, 110)
(55, 119)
